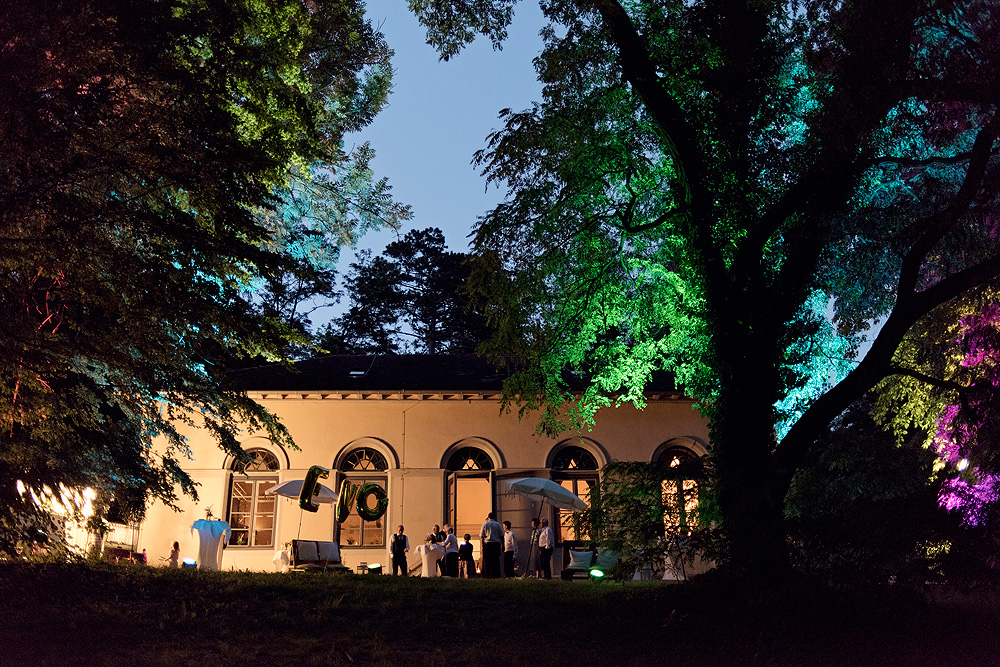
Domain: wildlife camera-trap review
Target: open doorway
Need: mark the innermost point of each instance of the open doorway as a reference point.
(470, 491)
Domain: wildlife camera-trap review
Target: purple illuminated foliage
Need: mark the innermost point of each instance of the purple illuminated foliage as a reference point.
(967, 431)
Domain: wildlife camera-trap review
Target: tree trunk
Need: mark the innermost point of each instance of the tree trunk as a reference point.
(753, 519)
(743, 442)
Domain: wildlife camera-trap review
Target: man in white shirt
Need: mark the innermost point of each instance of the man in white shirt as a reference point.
(509, 550)
(491, 546)
(546, 543)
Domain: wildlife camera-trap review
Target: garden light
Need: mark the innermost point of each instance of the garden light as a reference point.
(596, 574)
(375, 568)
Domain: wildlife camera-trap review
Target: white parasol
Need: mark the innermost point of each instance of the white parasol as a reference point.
(292, 489)
(540, 488)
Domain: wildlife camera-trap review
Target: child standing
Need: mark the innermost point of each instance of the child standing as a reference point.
(466, 565)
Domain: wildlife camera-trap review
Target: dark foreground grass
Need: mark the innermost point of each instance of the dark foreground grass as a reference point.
(116, 615)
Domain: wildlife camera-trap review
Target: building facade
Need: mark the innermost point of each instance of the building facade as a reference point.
(430, 430)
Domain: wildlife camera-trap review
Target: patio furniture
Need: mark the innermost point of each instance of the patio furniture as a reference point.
(580, 563)
(429, 555)
(213, 535)
(315, 556)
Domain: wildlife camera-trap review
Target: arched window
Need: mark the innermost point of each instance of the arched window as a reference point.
(364, 465)
(470, 488)
(575, 469)
(470, 458)
(574, 458)
(365, 458)
(251, 510)
(680, 489)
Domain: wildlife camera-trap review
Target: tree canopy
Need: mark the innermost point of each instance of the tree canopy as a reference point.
(151, 151)
(410, 299)
(703, 180)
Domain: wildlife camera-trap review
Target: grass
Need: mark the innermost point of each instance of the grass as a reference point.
(130, 615)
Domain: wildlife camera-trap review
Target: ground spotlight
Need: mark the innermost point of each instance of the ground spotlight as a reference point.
(374, 568)
(596, 575)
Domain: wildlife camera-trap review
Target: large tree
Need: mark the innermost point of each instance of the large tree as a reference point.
(411, 298)
(320, 211)
(702, 180)
(144, 143)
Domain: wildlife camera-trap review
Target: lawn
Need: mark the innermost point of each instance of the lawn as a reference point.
(131, 615)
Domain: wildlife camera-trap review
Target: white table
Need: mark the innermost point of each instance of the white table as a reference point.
(212, 536)
(430, 554)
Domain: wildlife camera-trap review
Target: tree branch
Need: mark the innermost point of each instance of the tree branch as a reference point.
(680, 141)
(868, 82)
(982, 150)
(876, 365)
(920, 162)
(896, 369)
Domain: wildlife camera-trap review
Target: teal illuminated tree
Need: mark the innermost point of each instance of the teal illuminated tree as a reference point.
(147, 149)
(703, 180)
(328, 208)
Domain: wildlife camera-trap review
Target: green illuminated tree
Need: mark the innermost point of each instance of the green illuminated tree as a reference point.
(147, 149)
(703, 180)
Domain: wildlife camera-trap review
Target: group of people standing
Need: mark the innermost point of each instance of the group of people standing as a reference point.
(498, 540)
(457, 557)
(498, 544)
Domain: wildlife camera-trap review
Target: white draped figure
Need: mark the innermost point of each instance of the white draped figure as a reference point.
(212, 536)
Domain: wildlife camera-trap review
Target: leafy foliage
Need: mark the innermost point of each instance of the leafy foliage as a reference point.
(702, 179)
(144, 145)
(650, 514)
(863, 506)
(319, 213)
(409, 299)
(946, 388)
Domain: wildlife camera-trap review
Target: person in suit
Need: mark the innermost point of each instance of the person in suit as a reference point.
(466, 562)
(399, 546)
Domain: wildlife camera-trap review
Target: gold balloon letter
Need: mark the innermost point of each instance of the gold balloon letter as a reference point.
(310, 487)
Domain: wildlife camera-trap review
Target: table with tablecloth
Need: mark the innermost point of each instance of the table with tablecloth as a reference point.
(429, 555)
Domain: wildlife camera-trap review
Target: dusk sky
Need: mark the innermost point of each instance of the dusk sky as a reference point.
(439, 114)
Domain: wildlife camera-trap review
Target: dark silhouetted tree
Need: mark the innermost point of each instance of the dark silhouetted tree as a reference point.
(409, 299)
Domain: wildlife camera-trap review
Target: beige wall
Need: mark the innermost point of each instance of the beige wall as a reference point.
(415, 434)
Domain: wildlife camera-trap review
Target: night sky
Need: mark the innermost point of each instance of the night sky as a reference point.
(439, 114)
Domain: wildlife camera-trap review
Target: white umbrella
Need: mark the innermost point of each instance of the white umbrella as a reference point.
(293, 488)
(539, 488)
